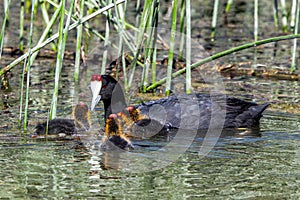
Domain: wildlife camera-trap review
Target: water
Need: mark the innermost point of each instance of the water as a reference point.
(265, 166)
(251, 167)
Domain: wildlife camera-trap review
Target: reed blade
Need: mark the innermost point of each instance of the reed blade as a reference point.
(171, 50)
(7, 4)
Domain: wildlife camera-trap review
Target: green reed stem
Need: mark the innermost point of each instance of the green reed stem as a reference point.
(46, 32)
(149, 44)
(284, 16)
(60, 54)
(224, 53)
(255, 20)
(188, 48)
(78, 43)
(120, 28)
(55, 36)
(36, 3)
(139, 43)
(181, 22)
(27, 91)
(44, 12)
(228, 6)
(293, 14)
(214, 20)
(86, 25)
(117, 23)
(106, 41)
(275, 11)
(28, 66)
(46, 19)
(293, 66)
(127, 25)
(120, 13)
(7, 4)
(58, 62)
(171, 50)
(95, 6)
(21, 93)
(127, 37)
(153, 67)
(138, 16)
(21, 36)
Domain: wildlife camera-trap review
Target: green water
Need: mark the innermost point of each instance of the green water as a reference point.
(265, 166)
(251, 167)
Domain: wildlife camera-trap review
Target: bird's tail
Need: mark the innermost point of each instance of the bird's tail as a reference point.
(251, 116)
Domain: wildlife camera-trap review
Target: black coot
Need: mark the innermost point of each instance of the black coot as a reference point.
(186, 111)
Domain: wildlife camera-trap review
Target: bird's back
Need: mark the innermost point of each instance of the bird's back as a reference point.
(199, 111)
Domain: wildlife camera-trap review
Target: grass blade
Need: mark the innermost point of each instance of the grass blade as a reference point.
(21, 36)
(172, 44)
(228, 6)
(60, 54)
(293, 14)
(3, 26)
(46, 19)
(46, 32)
(55, 36)
(188, 47)
(255, 20)
(106, 41)
(28, 66)
(284, 16)
(182, 18)
(224, 53)
(139, 43)
(214, 20)
(275, 11)
(78, 42)
(294, 52)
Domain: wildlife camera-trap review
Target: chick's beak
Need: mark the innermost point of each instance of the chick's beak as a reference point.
(95, 87)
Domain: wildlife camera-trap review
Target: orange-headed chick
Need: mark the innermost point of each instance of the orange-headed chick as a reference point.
(114, 135)
(135, 114)
(124, 119)
(129, 118)
(81, 115)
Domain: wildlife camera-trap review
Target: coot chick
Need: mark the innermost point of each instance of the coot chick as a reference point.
(80, 122)
(114, 136)
(138, 125)
(131, 116)
(186, 111)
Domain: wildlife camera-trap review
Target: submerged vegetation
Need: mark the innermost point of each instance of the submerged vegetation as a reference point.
(138, 48)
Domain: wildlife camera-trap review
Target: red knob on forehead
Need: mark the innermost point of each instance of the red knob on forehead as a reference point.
(96, 77)
(130, 108)
(82, 105)
(113, 116)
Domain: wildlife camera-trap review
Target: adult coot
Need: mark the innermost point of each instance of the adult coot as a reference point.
(186, 111)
